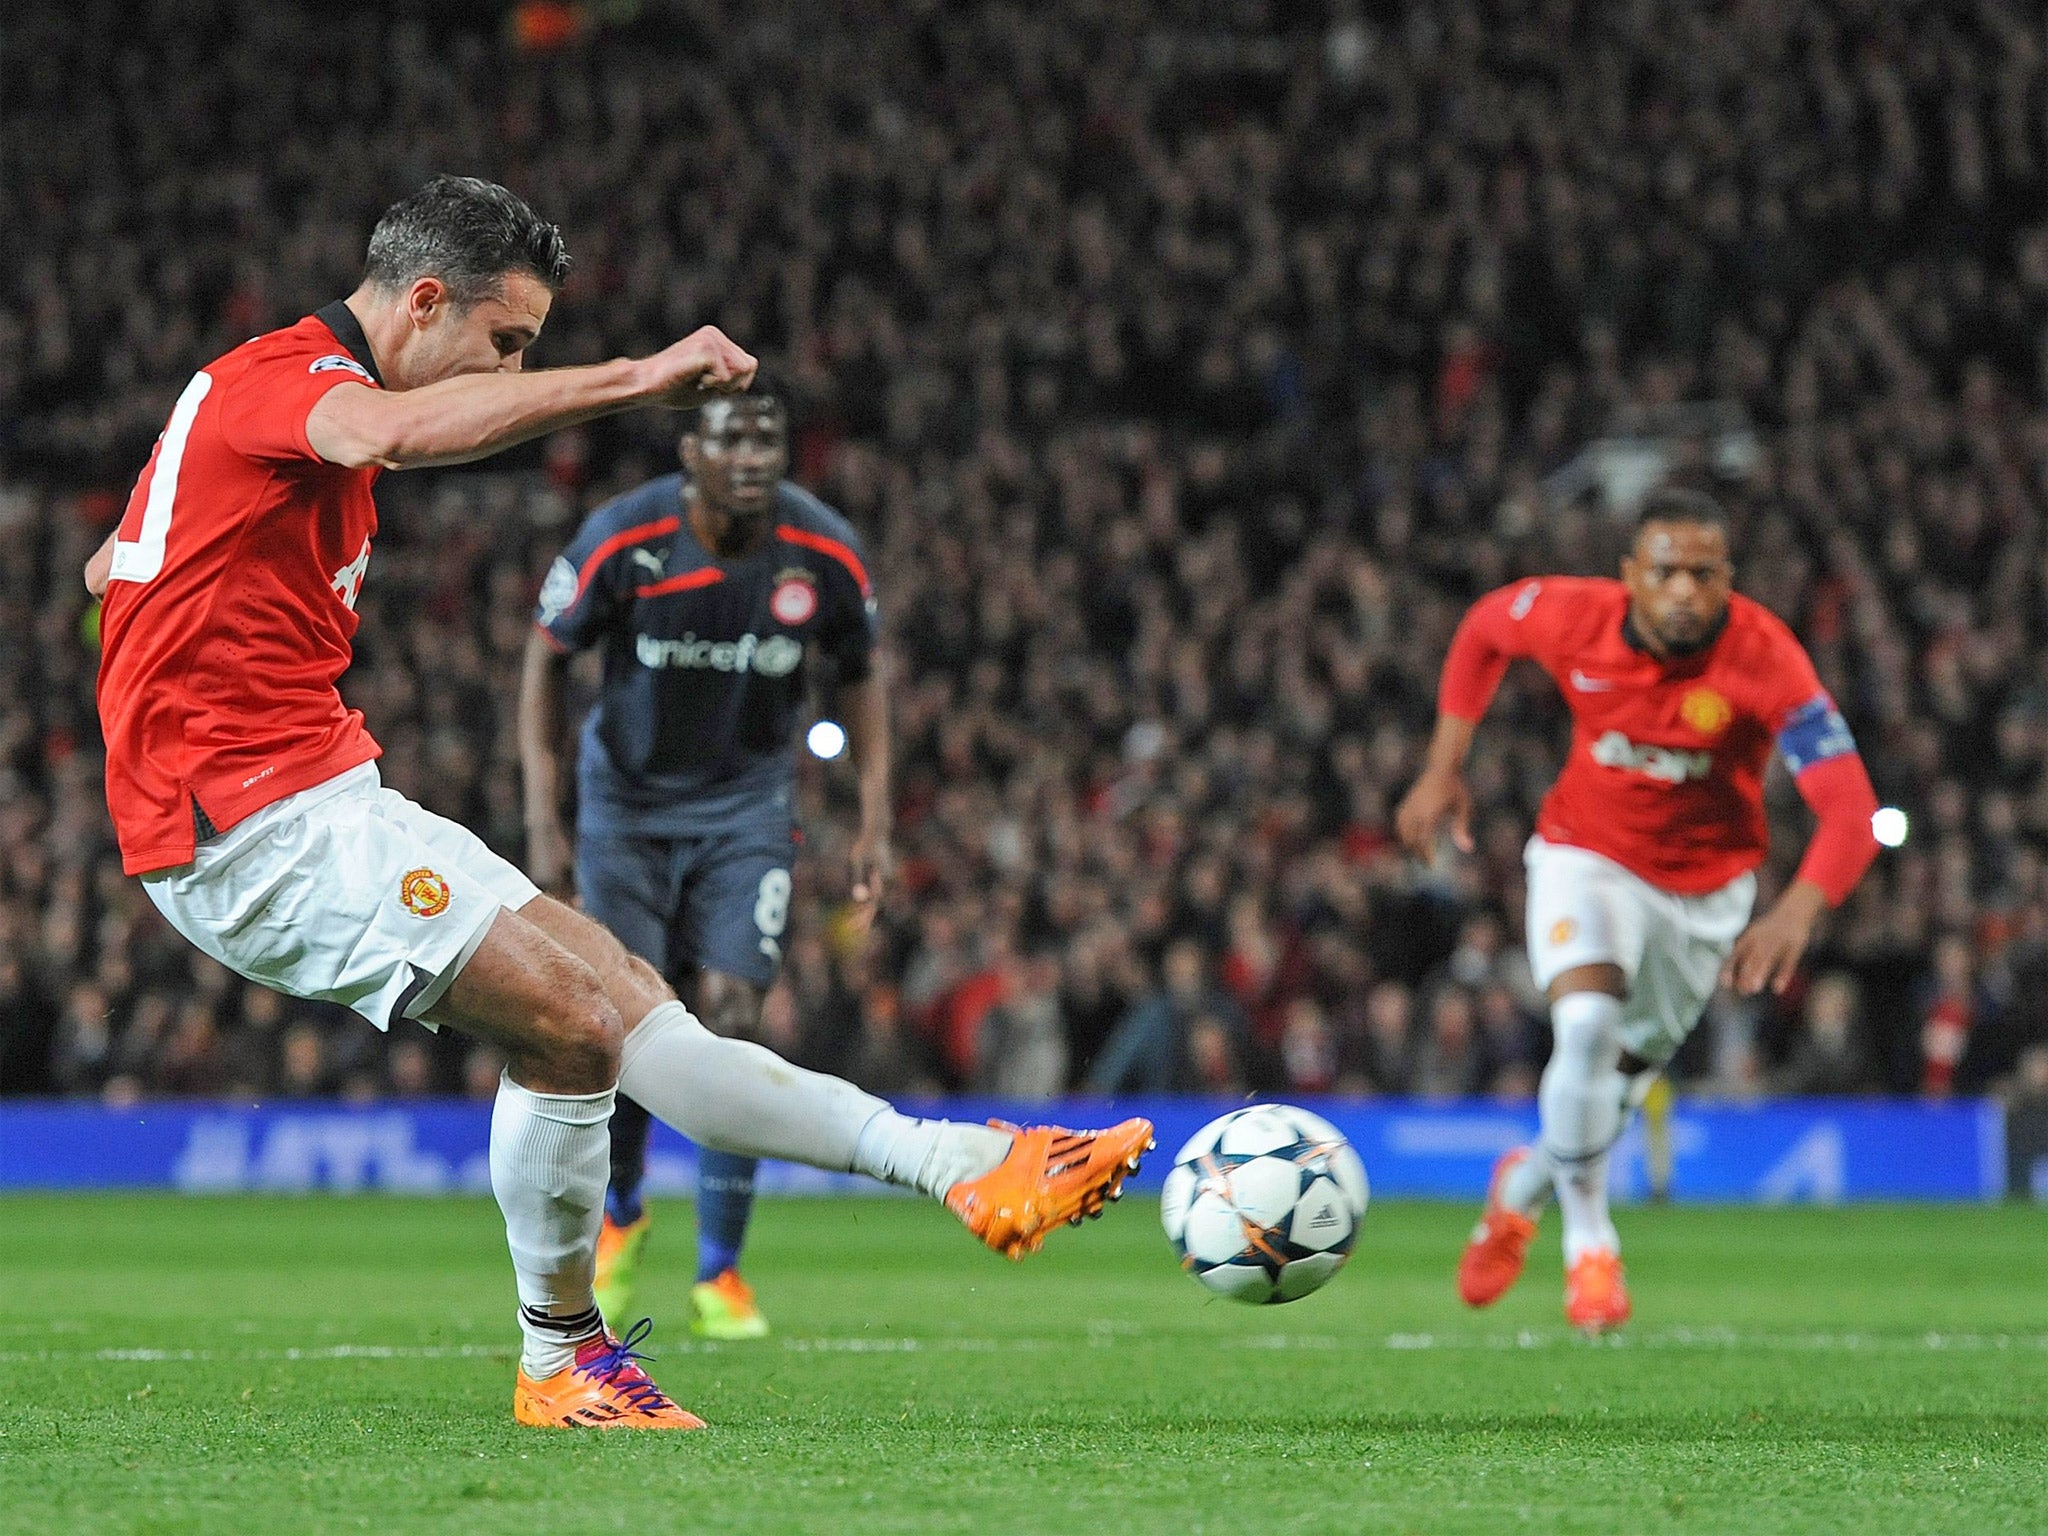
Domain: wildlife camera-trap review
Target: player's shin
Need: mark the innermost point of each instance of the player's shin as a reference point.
(1583, 1102)
(549, 1162)
(725, 1199)
(735, 1096)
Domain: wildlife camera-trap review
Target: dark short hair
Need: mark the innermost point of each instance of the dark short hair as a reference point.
(1681, 504)
(468, 233)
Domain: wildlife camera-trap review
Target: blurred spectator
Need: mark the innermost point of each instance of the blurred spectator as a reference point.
(304, 1071)
(1952, 1004)
(1185, 1037)
(1308, 1049)
(1383, 1054)
(1022, 1052)
(1828, 1057)
(1451, 1061)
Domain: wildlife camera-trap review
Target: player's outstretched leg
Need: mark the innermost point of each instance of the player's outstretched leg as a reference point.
(1584, 1099)
(549, 1159)
(722, 1305)
(623, 1237)
(1010, 1187)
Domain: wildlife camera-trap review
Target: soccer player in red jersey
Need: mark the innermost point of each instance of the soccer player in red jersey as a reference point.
(245, 794)
(1642, 869)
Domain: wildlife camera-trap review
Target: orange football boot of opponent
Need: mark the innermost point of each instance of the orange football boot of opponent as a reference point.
(1050, 1175)
(604, 1389)
(1500, 1243)
(1595, 1294)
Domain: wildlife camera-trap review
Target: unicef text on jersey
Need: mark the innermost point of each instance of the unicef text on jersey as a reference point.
(776, 656)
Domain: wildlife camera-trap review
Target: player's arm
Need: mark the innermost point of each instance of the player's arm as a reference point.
(543, 734)
(866, 705)
(1494, 631)
(1817, 746)
(478, 414)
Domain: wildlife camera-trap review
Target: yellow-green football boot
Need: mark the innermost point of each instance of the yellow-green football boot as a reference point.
(724, 1309)
(618, 1265)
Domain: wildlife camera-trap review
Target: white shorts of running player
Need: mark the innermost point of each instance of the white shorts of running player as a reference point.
(344, 893)
(1588, 910)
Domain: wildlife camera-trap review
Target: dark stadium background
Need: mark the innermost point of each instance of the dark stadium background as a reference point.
(1187, 368)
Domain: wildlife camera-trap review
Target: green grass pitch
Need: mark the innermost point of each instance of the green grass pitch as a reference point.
(243, 1365)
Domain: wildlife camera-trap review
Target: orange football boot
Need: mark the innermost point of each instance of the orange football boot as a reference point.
(1595, 1294)
(604, 1389)
(1050, 1175)
(1499, 1245)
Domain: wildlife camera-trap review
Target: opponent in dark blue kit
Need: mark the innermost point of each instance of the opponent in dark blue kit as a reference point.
(703, 592)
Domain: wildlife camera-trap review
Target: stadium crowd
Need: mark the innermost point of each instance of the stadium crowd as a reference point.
(1188, 368)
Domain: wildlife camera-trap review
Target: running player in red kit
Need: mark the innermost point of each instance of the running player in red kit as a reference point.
(245, 794)
(1642, 869)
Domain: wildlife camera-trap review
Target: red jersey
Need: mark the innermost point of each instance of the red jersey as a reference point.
(1665, 774)
(230, 609)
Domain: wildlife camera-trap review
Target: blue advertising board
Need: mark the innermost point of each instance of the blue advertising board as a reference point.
(1814, 1151)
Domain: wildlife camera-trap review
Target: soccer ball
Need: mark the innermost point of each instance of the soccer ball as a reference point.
(1264, 1203)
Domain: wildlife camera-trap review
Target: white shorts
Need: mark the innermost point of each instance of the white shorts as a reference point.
(344, 893)
(1587, 910)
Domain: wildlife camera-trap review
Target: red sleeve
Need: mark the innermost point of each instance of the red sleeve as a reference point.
(1839, 790)
(264, 414)
(1495, 631)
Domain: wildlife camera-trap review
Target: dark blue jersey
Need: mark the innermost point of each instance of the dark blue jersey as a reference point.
(703, 658)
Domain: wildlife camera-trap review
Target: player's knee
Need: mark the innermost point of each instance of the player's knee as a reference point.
(582, 1032)
(1586, 1031)
(646, 981)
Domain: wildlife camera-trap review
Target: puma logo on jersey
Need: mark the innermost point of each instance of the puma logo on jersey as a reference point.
(348, 581)
(1668, 765)
(651, 560)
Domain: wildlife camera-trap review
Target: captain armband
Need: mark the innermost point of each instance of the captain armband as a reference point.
(1814, 733)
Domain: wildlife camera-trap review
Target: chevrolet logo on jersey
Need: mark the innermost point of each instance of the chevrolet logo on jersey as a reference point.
(1668, 765)
(776, 656)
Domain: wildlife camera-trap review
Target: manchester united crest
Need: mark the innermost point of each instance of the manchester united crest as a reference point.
(795, 597)
(1706, 711)
(423, 893)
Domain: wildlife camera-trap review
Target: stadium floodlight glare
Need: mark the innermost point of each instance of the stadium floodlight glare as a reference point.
(826, 739)
(1888, 826)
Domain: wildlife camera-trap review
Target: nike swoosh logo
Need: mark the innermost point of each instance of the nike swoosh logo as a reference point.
(1587, 684)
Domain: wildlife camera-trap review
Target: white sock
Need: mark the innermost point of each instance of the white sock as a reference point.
(735, 1096)
(1583, 1101)
(550, 1158)
(927, 1155)
(1527, 1186)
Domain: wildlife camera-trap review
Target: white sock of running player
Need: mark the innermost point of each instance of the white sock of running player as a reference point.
(1528, 1184)
(550, 1158)
(1583, 1100)
(740, 1097)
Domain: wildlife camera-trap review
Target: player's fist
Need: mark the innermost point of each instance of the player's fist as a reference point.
(1768, 953)
(872, 861)
(705, 363)
(1440, 795)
